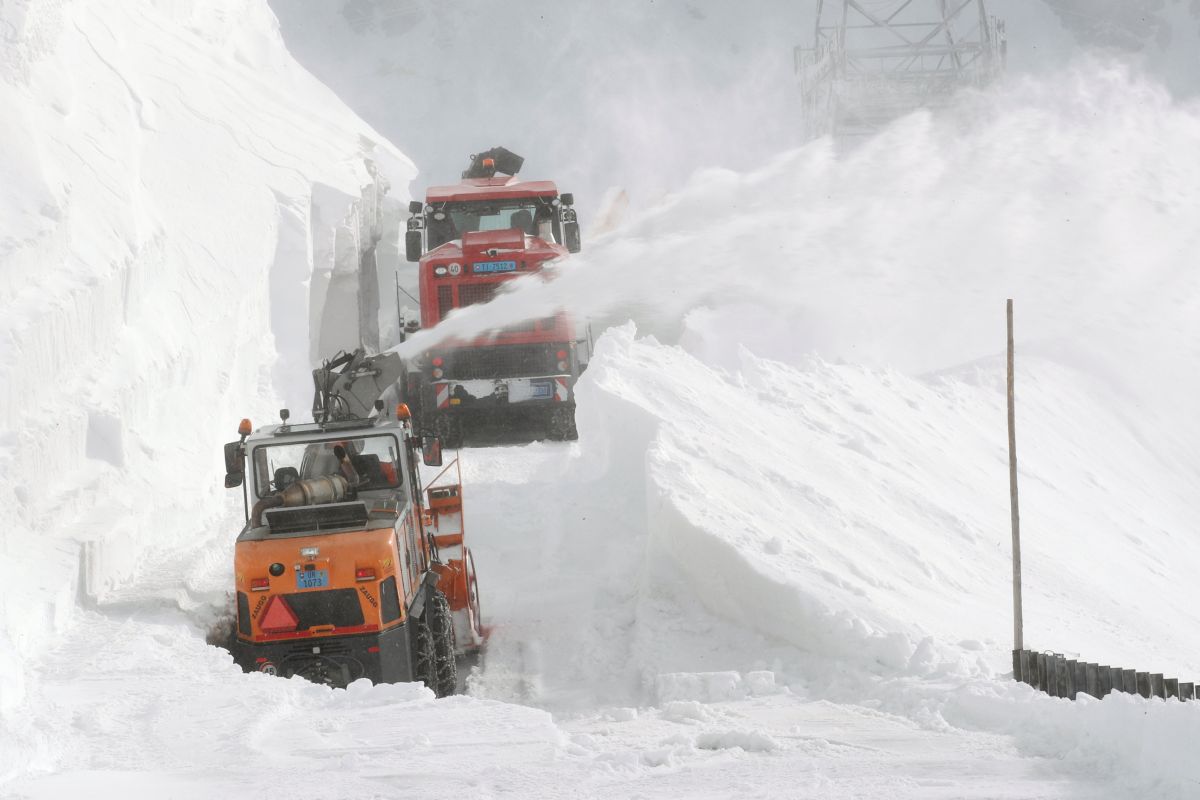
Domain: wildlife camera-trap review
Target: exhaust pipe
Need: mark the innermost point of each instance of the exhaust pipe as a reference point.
(309, 492)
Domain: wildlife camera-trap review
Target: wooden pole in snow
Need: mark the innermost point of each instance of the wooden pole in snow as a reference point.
(1018, 622)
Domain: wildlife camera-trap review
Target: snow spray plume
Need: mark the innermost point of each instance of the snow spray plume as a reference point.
(1076, 195)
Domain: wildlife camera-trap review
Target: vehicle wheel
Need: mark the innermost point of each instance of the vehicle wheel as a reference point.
(423, 656)
(561, 424)
(450, 430)
(441, 624)
(474, 607)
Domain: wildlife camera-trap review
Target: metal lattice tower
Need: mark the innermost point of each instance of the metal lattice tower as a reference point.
(875, 60)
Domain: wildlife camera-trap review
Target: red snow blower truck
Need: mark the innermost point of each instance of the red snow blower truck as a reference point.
(470, 238)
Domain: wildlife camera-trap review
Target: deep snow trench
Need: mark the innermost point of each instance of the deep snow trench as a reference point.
(776, 561)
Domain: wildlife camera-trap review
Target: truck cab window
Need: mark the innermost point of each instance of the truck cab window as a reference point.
(460, 218)
(373, 458)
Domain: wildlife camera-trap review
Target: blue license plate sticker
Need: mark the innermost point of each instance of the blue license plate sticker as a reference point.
(312, 579)
(541, 390)
(494, 266)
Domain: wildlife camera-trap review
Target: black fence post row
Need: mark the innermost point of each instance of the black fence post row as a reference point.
(1062, 677)
(1063, 671)
(1080, 679)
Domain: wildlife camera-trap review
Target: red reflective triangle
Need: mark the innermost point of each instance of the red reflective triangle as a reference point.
(278, 617)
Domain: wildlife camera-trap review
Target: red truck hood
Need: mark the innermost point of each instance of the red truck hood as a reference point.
(479, 245)
(485, 245)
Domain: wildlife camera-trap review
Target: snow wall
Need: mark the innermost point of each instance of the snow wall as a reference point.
(169, 192)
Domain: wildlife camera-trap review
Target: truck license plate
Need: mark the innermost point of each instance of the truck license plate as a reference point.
(494, 266)
(312, 579)
(541, 390)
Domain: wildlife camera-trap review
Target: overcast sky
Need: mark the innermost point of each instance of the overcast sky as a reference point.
(638, 94)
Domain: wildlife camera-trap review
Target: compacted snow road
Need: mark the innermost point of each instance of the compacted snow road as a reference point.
(133, 702)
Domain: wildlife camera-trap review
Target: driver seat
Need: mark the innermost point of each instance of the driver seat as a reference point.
(285, 477)
(522, 220)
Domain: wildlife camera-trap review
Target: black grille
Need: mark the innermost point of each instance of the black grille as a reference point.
(337, 607)
(470, 294)
(505, 361)
(317, 518)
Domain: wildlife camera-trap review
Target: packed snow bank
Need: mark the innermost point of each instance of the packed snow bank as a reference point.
(166, 169)
(789, 535)
(138, 706)
(858, 516)
(1134, 747)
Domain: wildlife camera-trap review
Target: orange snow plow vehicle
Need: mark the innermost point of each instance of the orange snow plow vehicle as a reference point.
(345, 568)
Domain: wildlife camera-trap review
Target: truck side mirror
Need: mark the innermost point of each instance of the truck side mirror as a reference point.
(571, 235)
(568, 198)
(431, 451)
(235, 464)
(412, 245)
(415, 207)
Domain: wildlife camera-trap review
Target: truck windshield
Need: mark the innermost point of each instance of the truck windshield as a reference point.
(534, 216)
(375, 458)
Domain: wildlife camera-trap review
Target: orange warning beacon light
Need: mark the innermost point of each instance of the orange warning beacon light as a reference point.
(245, 428)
